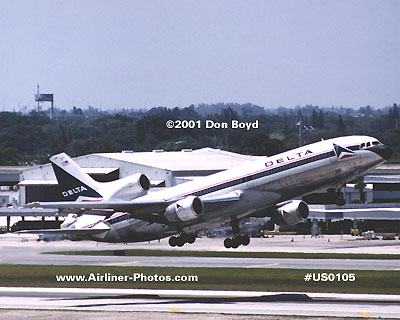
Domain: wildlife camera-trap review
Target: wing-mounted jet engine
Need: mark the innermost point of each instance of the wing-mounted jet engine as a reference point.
(187, 209)
(184, 210)
(292, 212)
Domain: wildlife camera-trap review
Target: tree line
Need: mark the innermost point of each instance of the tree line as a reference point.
(28, 139)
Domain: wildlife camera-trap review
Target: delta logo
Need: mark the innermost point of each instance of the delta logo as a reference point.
(343, 153)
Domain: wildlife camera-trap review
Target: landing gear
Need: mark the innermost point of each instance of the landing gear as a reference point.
(237, 239)
(181, 239)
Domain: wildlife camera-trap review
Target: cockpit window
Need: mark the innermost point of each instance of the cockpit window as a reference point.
(369, 144)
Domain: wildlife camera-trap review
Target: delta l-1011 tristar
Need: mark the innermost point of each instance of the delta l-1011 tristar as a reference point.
(262, 188)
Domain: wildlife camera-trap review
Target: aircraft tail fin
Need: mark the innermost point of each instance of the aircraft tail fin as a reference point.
(72, 180)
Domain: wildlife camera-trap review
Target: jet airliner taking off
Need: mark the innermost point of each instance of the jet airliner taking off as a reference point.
(263, 188)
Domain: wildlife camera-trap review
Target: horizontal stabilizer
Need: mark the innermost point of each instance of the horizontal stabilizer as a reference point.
(83, 231)
(98, 205)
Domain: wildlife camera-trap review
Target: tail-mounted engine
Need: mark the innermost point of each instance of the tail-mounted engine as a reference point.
(129, 187)
(184, 210)
(292, 212)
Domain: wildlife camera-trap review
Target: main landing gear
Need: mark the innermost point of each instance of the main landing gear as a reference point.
(237, 239)
(181, 239)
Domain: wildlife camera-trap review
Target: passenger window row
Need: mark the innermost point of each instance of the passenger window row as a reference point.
(264, 173)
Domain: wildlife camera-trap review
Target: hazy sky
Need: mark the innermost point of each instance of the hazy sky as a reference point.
(171, 53)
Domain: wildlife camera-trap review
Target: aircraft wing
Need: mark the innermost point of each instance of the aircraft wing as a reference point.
(146, 210)
(130, 206)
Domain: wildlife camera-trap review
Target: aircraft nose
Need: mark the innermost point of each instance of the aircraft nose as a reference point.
(384, 151)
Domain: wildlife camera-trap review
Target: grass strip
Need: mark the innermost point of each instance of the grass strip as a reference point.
(383, 282)
(230, 254)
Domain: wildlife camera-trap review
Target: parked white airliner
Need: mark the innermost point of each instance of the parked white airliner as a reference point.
(263, 188)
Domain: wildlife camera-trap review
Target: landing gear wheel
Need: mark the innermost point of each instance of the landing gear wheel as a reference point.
(180, 242)
(235, 243)
(228, 243)
(173, 241)
(191, 238)
(245, 239)
(181, 239)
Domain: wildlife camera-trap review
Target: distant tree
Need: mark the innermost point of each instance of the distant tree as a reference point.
(8, 156)
(321, 120)
(368, 111)
(360, 185)
(77, 111)
(393, 116)
(300, 115)
(140, 132)
(314, 119)
(261, 144)
(228, 115)
(341, 128)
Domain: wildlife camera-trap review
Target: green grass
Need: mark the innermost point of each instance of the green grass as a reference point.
(233, 254)
(384, 282)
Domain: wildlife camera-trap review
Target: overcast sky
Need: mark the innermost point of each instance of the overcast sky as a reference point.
(171, 53)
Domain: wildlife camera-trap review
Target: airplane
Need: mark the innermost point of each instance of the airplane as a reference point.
(263, 188)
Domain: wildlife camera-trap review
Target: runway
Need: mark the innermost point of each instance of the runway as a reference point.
(24, 250)
(201, 302)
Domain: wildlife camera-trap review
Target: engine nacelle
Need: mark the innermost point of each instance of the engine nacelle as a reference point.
(293, 212)
(129, 187)
(184, 210)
